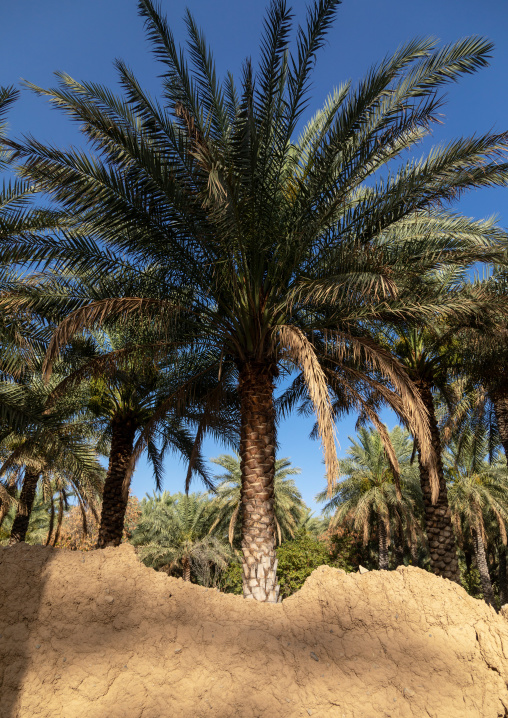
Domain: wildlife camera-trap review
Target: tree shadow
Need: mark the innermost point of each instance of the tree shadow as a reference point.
(22, 580)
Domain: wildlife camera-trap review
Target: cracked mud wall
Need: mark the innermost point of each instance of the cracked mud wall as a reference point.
(98, 634)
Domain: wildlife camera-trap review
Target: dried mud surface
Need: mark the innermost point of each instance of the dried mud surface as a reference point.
(99, 635)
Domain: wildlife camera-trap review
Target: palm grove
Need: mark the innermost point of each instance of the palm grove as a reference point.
(209, 244)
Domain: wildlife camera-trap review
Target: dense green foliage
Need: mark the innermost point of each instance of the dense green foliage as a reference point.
(297, 559)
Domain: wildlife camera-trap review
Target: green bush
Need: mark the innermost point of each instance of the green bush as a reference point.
(297, 560)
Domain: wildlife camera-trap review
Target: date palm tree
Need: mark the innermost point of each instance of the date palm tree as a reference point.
(289, 507)
(265, 243)
(484, 355)
(429, 361)
(367, 499)
(126, 389)
(173, 534)
(478, 497)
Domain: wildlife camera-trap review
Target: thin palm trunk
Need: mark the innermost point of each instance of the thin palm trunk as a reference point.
(481, 563)
(414, 552)
(438, 518)
(257, 455)
(51, 522)
(501, 575)
(186, 568)
(114, 501)
(500, 401)
(60, 519)
(25, 504)
(398, 546)
(383, 546)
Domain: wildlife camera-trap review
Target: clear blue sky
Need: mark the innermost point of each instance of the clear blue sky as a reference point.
(83, 38)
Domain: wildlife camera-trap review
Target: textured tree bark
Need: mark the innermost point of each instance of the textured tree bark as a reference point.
(500, 401)
(501, 575)
(257, 463)
(186, 569)
(481, 562)
(25, 503)
(438, 518)
(398, 547)
(114, 504)
(383, 546)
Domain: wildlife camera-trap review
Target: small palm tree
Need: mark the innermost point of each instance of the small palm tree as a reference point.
(173, 535)
(478, 496)
(367, 498)
(289, 507)
(429, 361)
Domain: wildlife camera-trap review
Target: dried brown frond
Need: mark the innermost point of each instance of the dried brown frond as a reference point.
(279, 532)
(232, 523)
(295, 345)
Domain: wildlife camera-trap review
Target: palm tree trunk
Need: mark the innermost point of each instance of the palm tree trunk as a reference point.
(481, 562)
(114, 503)
(398, 547)
(186, 569)
(414, 552)
(438, 518)
(257, 463)
(500, 401)
(383, 546)
(501, 575)
(25, 503)
(51, 521)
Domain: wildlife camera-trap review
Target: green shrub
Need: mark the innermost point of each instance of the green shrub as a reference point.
(297, 560)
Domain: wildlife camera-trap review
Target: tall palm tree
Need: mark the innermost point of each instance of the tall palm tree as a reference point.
(289, 507)
(429, 361)
(269, 246)
(478, 496)
(173, 533)
(367, 499)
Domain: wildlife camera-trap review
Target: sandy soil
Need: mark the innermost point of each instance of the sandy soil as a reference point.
(99, 635)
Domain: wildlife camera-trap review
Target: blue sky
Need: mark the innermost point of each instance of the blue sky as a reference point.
(83, 38)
